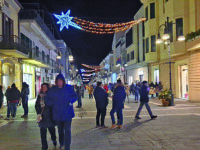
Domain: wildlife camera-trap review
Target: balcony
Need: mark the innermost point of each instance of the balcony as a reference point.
(13, 46)
(193, 44)
(151, 57)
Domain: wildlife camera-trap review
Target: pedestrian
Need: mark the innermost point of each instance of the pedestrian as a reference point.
(13, 96)
(24, 96)
(101, 98)
(82, 90)
(152, 89)
(106, 88)
(78, 92)
(90, 91)
(144, 100)
(1, 98)
(44, 117)
(132, 88)
(118, 105)
(61, 99)
(127, 91)
(137, 91)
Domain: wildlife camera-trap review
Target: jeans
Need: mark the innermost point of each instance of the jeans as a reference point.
(25, 107)
(43, 135)
(147, 107)
(119, 115)
(79, 101)
(64, 131)
(136, 96)
(12, 108)
(100, 113)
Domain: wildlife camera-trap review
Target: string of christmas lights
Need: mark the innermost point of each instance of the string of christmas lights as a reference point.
(96, 68)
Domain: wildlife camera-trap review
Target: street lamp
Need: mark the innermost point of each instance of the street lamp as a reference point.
(166, 39)
(71, 58)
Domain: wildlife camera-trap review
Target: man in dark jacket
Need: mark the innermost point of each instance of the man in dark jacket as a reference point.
(61, 99)
(144, 100)
(1, 98)
(13, 96)
(101, 98)
(24, 96)
(118, 104)
(78, 92)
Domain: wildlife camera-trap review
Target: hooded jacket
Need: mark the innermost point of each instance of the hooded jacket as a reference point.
(101, 98)
(25, 92)
(119, 96)
(61, 100)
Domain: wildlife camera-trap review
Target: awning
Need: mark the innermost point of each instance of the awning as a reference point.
(36, 63)
(13, 53)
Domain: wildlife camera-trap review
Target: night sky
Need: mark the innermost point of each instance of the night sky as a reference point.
(86, 47)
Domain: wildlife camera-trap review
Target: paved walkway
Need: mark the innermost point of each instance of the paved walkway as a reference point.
(177, 128)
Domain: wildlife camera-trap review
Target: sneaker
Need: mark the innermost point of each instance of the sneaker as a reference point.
(113, 126)
(23, 116)
(7, 118)
(119, 126)
(13, 118)
(104, 127)
(138, 118)
(153, 117)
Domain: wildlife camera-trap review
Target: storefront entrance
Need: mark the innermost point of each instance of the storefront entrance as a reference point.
(184, 81)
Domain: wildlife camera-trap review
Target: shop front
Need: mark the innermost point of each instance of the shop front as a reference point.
(30, 78)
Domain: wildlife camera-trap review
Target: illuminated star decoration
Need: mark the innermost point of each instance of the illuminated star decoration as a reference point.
(65, 21)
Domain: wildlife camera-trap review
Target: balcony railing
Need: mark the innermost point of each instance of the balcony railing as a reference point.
(28, 14)
(13, 42)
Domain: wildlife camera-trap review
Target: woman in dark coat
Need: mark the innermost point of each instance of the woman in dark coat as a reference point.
(44, 117)
(24, 96)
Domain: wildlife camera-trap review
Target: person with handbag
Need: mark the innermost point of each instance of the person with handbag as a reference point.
(44, 117)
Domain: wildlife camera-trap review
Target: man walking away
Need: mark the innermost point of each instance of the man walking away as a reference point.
(82, 90)
(101, 98)
(137, 91)
(1, 99)
(61, 98)
(24, 96)
(13, 96)
(78, 92)
(118, 105)
(144, 100)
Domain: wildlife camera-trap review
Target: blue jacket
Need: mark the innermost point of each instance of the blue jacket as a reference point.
(101, 98)
(144, 94)
(61, 100)
(119, 96)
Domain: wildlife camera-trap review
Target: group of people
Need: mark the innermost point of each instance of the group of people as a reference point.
(118, 100)
(15, 98)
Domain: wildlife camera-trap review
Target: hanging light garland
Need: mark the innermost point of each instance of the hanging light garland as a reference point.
(65, 20)
(85, 71)
(96, 68)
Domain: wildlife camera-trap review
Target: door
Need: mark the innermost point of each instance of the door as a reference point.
(156, 76)
(184, 82)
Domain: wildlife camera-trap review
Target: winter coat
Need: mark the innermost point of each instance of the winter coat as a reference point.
(25, 93)
(144, 94)
(45, 111)
(101, 98)
(119, 96)
(13, 94)
(106, 88)
(127, 89)
(78, 91)
(90, 90)
(61, 100)
(137, 89)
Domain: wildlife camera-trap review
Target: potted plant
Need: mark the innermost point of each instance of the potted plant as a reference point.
(164, 96)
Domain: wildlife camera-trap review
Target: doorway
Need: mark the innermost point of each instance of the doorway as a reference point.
(184, 81)
(156, 76)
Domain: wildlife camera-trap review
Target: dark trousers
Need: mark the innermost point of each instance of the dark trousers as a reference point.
(64, 131)
(147, 107)
(119, 116)
(82, 94)
(43, 135)
(12, 108)
(100, 113)
(25, 107)
(90, 96)
(1, 103)
(79, 101)
(136, 96)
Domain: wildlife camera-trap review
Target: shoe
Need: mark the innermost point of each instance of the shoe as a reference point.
(119, 126)
(61, 147)
(7, 118)
(55, 143)
(98, 126)
(23, 116)
(113, 126)
(77, 107)
(138, 118)
(104, 127)
(153, 117)
(13, 118)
